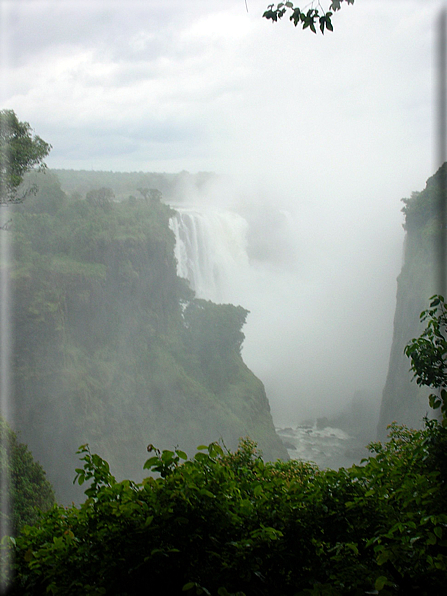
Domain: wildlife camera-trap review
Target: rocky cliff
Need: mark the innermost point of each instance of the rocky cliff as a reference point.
(419, 279)
(112, 348)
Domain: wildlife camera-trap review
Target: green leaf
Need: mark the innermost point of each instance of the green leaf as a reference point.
(434, 401)
(383, 557)
(202, 457)
(206, 493)
(258, 490)
(151, 462)
(322, 22)
(380, 583)
(167, 456)
(295, 16)
(215, 450)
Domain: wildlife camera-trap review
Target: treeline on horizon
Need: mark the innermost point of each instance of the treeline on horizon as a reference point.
(176, 187)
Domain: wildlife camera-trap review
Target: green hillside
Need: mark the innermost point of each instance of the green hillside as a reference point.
(112, 348)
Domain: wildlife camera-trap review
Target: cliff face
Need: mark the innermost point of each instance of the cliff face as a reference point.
(112, 348)
(403, 400)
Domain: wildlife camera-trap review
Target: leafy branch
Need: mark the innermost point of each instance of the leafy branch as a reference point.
(428, 354)
(310, 19)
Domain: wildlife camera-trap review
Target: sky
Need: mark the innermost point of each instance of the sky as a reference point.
(331, 130)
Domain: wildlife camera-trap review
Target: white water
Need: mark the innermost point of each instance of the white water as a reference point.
(328, 447)
(211, 252)
(306, 336)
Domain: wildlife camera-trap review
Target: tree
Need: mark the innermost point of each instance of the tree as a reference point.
(101, 197)
(428, 354)
(20, 152)
(152, 194)
(29, 489)
(309, 19)
(228, 523)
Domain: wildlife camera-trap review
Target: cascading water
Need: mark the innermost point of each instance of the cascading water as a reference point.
(211, 251)
(227, 259)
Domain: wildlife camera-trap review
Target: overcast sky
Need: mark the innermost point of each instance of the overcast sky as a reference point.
(335, 130)
(206, 85)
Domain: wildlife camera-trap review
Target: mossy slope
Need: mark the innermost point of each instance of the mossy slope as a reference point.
(112, 348)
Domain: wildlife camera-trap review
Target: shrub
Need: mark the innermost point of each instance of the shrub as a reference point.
(229, 523)
(29, 490)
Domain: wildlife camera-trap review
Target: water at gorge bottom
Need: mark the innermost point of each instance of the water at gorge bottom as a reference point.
(326, 446)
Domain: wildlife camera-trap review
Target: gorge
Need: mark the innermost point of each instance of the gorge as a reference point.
(403, 400)
(112, 348)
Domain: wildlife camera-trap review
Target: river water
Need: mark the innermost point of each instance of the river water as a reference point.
(326, 446)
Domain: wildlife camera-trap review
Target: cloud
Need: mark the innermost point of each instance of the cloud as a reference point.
(259, 95)
(102, 71)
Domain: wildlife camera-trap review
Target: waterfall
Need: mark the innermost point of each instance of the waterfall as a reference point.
(211, 251)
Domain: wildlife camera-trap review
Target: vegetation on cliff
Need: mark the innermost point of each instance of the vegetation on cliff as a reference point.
(24, 487)
(111, 347)
(227, 522)
(403, 400)
(21, 151)
(428, 355)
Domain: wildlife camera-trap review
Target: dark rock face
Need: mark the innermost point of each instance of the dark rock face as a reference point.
(403, 401)
(112, 348)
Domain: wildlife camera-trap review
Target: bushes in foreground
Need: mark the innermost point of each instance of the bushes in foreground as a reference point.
(23, 484)
(229, 523)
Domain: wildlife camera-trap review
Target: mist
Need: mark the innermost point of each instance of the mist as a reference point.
(315, 141)
(320, 284)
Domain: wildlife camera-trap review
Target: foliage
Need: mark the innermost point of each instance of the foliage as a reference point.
(307, 19)
(101, 197)
(228, 523)
(20, 152)
(29, 491)
(216, 338)
(170, 185)
(49, 197)
(110, 345)
(428, 354)
(152, 194)
(419, 279)
(425, 208)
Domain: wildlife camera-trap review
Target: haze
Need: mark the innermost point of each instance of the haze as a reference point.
(330, 132)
